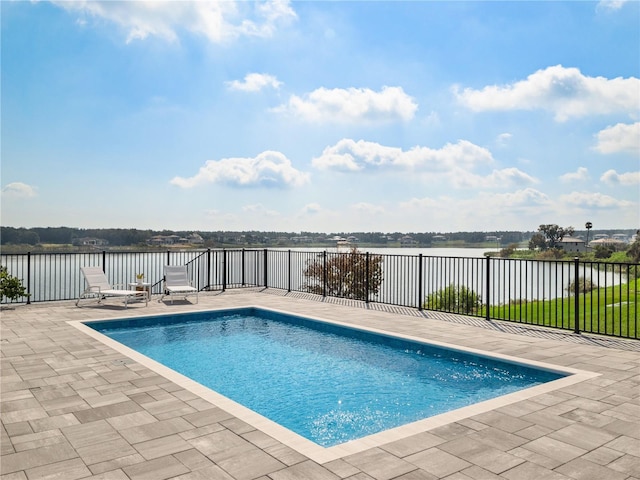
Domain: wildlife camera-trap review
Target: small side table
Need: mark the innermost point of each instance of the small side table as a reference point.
(144, 288)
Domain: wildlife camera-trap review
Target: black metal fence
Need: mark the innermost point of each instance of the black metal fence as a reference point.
(591, 297)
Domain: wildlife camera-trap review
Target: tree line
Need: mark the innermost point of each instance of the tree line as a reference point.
(132, 237)
(126, 237)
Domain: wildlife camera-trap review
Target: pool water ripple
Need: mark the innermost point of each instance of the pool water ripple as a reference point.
(325, 386)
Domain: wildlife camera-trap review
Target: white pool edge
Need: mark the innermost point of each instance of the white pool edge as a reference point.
(310, 449)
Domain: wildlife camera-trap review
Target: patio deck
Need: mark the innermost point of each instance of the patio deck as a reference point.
(73, 407)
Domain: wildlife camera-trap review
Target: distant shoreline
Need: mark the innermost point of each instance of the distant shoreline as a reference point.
(67, 248)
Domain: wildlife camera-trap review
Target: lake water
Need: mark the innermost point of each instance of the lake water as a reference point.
(509, 279)
(431, 252)
(405, 281)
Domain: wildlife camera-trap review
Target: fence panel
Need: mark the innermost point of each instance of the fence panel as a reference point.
(592, 297)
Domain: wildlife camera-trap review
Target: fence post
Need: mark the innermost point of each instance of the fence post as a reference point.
(576, 293)
(224, 269)
(488, 287)
(324, 273)
(28, 278)
(208, 269)
(366, 279)
(168, 257)
(420, 282)
(104, 261)
(289, 271)
(242, 266)
(266, 278)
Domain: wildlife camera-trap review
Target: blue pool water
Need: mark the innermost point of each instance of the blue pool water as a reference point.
(328, 383)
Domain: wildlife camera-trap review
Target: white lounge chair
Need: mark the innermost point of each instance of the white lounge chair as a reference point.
(177, 283)
(99, 286)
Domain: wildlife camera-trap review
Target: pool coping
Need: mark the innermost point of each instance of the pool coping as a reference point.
(326, 454)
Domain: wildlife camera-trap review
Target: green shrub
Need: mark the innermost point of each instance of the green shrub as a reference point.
(584, 285)
(454, 298)
(603, 251)
(551, 254)
(507, 251)
(618, 257)
(10, 286)
(633, 252)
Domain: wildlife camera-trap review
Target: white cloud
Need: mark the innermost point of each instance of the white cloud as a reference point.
(254, 82)
(352, 105)
(619, 138)
(18, 190)
(610, 5)
(503, 139)
(611, 177)
(564, 91)
(579, 175)
(513, 208)
(528, 197)
(454, 161)
(523, 209)
(419, 203)
(349, 155)
(479, 212)
(268, 169)
(260, 210)
(220, 218)
(507, 177)
(312, 208)
(365, 208)
(218, 21)
(593, 200)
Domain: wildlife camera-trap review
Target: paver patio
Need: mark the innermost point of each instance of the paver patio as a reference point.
(73, 407)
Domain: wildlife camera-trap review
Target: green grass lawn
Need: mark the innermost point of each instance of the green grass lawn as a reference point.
(611, 311)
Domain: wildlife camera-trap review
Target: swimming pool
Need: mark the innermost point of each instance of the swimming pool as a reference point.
(327, 382)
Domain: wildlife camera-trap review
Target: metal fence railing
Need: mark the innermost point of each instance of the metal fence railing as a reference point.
(593, 297)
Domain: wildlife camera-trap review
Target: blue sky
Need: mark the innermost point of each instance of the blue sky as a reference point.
(321, 116)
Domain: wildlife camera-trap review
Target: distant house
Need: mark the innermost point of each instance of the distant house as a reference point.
(620, 236)
(164, 240)
(90, 241)
(301, 239)
(572, 244)
(156, 240)
(194, 238)
(609, 242)
(407, 240)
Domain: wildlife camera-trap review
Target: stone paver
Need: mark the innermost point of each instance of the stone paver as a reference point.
(481, 454)
(157, 469)
(581, 469)
(438, 462)
(380, 464)
(72, 407)
(532, 471)
(307, 470)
